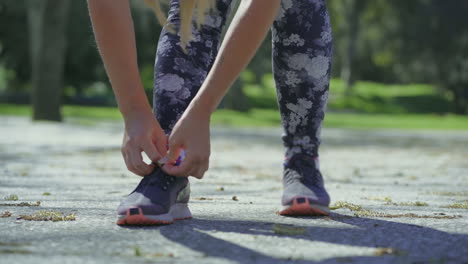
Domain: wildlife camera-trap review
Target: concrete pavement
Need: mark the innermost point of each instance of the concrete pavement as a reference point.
(388, 173)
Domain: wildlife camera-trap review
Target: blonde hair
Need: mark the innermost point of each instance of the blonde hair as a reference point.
(186, 9)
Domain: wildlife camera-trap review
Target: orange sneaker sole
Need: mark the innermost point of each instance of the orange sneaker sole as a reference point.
(135, 217)
(301, 206)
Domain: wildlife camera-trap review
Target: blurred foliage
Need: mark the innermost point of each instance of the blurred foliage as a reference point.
(418, 41)
(257, 117)
(396, 42)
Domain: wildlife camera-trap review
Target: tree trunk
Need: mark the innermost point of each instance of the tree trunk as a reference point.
(460, 98)
(47, 23)
(351, 29)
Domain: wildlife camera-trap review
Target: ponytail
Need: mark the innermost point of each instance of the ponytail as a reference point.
(187, 10)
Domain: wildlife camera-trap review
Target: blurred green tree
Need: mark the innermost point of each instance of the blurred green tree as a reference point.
(435, 46)
(395, 41)
(47, 24)
(14, 44)
(350, 25)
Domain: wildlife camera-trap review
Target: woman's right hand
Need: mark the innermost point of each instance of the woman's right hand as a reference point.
(115, 36)
(142, 134)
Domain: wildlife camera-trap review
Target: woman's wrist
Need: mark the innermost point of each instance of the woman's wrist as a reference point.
(131, 110)
(131, 100)
(203, 105)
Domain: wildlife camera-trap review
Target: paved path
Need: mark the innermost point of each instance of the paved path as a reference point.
(385, 172)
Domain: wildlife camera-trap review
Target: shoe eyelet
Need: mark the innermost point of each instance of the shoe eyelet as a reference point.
(165, 188)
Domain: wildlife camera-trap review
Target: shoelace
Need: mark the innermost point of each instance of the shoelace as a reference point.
(159, 179)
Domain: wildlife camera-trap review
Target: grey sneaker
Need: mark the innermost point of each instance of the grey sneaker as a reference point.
(304, 191)
(158, 199)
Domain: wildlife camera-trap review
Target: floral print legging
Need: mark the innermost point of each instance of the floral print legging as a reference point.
(302, 53)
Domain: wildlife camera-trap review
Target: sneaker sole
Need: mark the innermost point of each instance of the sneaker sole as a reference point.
(301, 206)
(135, 216)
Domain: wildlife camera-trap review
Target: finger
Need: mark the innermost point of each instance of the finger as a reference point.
(152, 152)
(182, 170)
(160, 141)
(128, 163)
(198, 173)
(201, 171)
(172, 154)
(139, 167)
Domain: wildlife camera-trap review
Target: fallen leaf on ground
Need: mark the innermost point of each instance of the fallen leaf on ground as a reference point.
(288, 230)
(417, 203)
(137, 252)
(202, 198)
(342, 204)
(360, 212)
(11, 197)
(463, 205)
(389, 251)
(5, 214)
(162, 255)
(449, 193)
(45, 215)
(38, 203)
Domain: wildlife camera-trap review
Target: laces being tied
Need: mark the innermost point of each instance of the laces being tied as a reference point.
(160, 179)
(160, 198)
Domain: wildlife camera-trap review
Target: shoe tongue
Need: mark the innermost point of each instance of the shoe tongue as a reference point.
(154, 177)
(159, 175)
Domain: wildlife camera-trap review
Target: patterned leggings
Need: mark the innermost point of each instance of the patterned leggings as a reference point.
(302, 52)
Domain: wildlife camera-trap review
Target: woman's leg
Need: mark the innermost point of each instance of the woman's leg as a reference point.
(160, 198)
(302, 54)
(178, 76)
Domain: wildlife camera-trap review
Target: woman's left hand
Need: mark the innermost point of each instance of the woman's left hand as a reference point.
(191, 133)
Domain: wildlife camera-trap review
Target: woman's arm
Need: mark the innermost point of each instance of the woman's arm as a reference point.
(247, 31)
(115, 37)
(245, 34)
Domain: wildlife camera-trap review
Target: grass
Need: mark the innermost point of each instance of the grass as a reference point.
(370, 106)
(366, 97)
(90, 112)
(370, 97)
(408, 121)
(271, 117)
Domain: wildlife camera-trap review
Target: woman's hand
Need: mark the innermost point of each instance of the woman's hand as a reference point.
(142, 134)
(191, 133)
(115, 36)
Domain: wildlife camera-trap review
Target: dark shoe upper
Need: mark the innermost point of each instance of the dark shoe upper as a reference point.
(302, 178)
(156, 193)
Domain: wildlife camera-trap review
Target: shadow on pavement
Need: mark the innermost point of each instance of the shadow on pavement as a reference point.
(414, 244)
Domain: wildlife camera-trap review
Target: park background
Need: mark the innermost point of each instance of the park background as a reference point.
(398, 187)
(397, 64)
